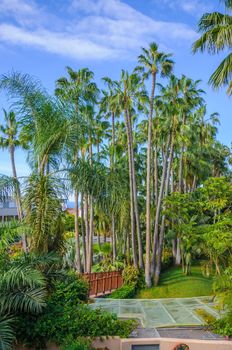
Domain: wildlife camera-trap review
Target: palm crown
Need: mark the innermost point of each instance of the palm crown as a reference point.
(216, 36)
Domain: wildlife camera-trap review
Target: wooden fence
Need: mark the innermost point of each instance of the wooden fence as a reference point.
(101, 283)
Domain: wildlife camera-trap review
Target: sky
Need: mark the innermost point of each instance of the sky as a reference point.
(42, 37)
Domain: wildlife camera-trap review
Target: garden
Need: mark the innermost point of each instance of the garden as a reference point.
(151, 186)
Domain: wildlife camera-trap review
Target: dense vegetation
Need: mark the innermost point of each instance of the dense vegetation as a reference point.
(141, 158)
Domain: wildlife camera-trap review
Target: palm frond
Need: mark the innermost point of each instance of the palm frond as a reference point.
(7, 335)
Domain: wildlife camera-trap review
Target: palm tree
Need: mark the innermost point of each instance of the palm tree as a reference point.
(129, 94)
(11, 141)
(152, 63)
(216, 37)
(22, 286)
(111, 109)
(79, 90)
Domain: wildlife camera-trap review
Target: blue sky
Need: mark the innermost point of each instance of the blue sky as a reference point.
(42, 37)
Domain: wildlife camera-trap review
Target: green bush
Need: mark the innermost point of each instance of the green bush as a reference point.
(66, 317)
(125, 292)
(133, 280)
(223, 326)
(70, 290)
(130, 275)
(133, 276)
(77, 344)
(60, 323)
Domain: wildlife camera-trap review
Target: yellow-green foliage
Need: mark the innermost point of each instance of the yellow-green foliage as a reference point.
(205, 316)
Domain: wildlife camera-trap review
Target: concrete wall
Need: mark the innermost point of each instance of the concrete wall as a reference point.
(165, 344)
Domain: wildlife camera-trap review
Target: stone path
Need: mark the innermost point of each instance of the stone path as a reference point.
(153, 313)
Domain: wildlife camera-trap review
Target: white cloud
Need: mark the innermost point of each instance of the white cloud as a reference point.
(59, 43)
(193, 7)
(99, 29)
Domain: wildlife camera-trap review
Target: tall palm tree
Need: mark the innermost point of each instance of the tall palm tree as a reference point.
(152, 63)
(79, 90)
(216, 37)
(10, 140)
(190, 97)
(129, 95)
(111, 109)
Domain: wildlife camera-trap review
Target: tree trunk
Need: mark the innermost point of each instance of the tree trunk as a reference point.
(77, 238)
(136, 208)
(112, 161)
(148, 188)
(83, 233)
(128, 259)
(194, 184)
(18, 196)
(133, 241)
(181, 159)
(156, 175)
(162, 230)
(174, 248)
(178, 252)
(86, 211)
(159, 204)
(114, 250)
(181, 171)
(90, 242)
(99, 240)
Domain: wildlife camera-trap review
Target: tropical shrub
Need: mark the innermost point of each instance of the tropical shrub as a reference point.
(70, 290)
(66, 318)
(133, 276)
(133, 280)
(60, 322)
(125, 292)
(223, 326)
(77, 344)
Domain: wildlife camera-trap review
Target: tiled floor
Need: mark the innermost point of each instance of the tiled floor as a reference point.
(159, 312)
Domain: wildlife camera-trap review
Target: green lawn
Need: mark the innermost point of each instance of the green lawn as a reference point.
(173, 284)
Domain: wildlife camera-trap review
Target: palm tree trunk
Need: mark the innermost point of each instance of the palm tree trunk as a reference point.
(162, 230)
(17, 195)
(86, 215)
(83, 232)
(136, 208)
(114, 250)
(178, 252)
(133, 241)
(159, 204)
(181, 171)
(98, 240)
(77, 239)
(181, 159)
(156, 174)
(90, 242)
(148, 194)
(194, 184)
(112, 161)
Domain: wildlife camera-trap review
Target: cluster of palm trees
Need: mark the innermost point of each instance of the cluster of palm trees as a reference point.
(119, 150)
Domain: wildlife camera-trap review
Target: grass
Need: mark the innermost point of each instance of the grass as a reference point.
(174, 284)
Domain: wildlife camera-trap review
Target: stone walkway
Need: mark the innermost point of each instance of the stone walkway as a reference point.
(153, 313)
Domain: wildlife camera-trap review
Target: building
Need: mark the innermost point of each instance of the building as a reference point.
(8, 210)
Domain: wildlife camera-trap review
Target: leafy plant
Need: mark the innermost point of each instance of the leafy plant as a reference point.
(7, 334)
(125, 292)
(77, 344)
